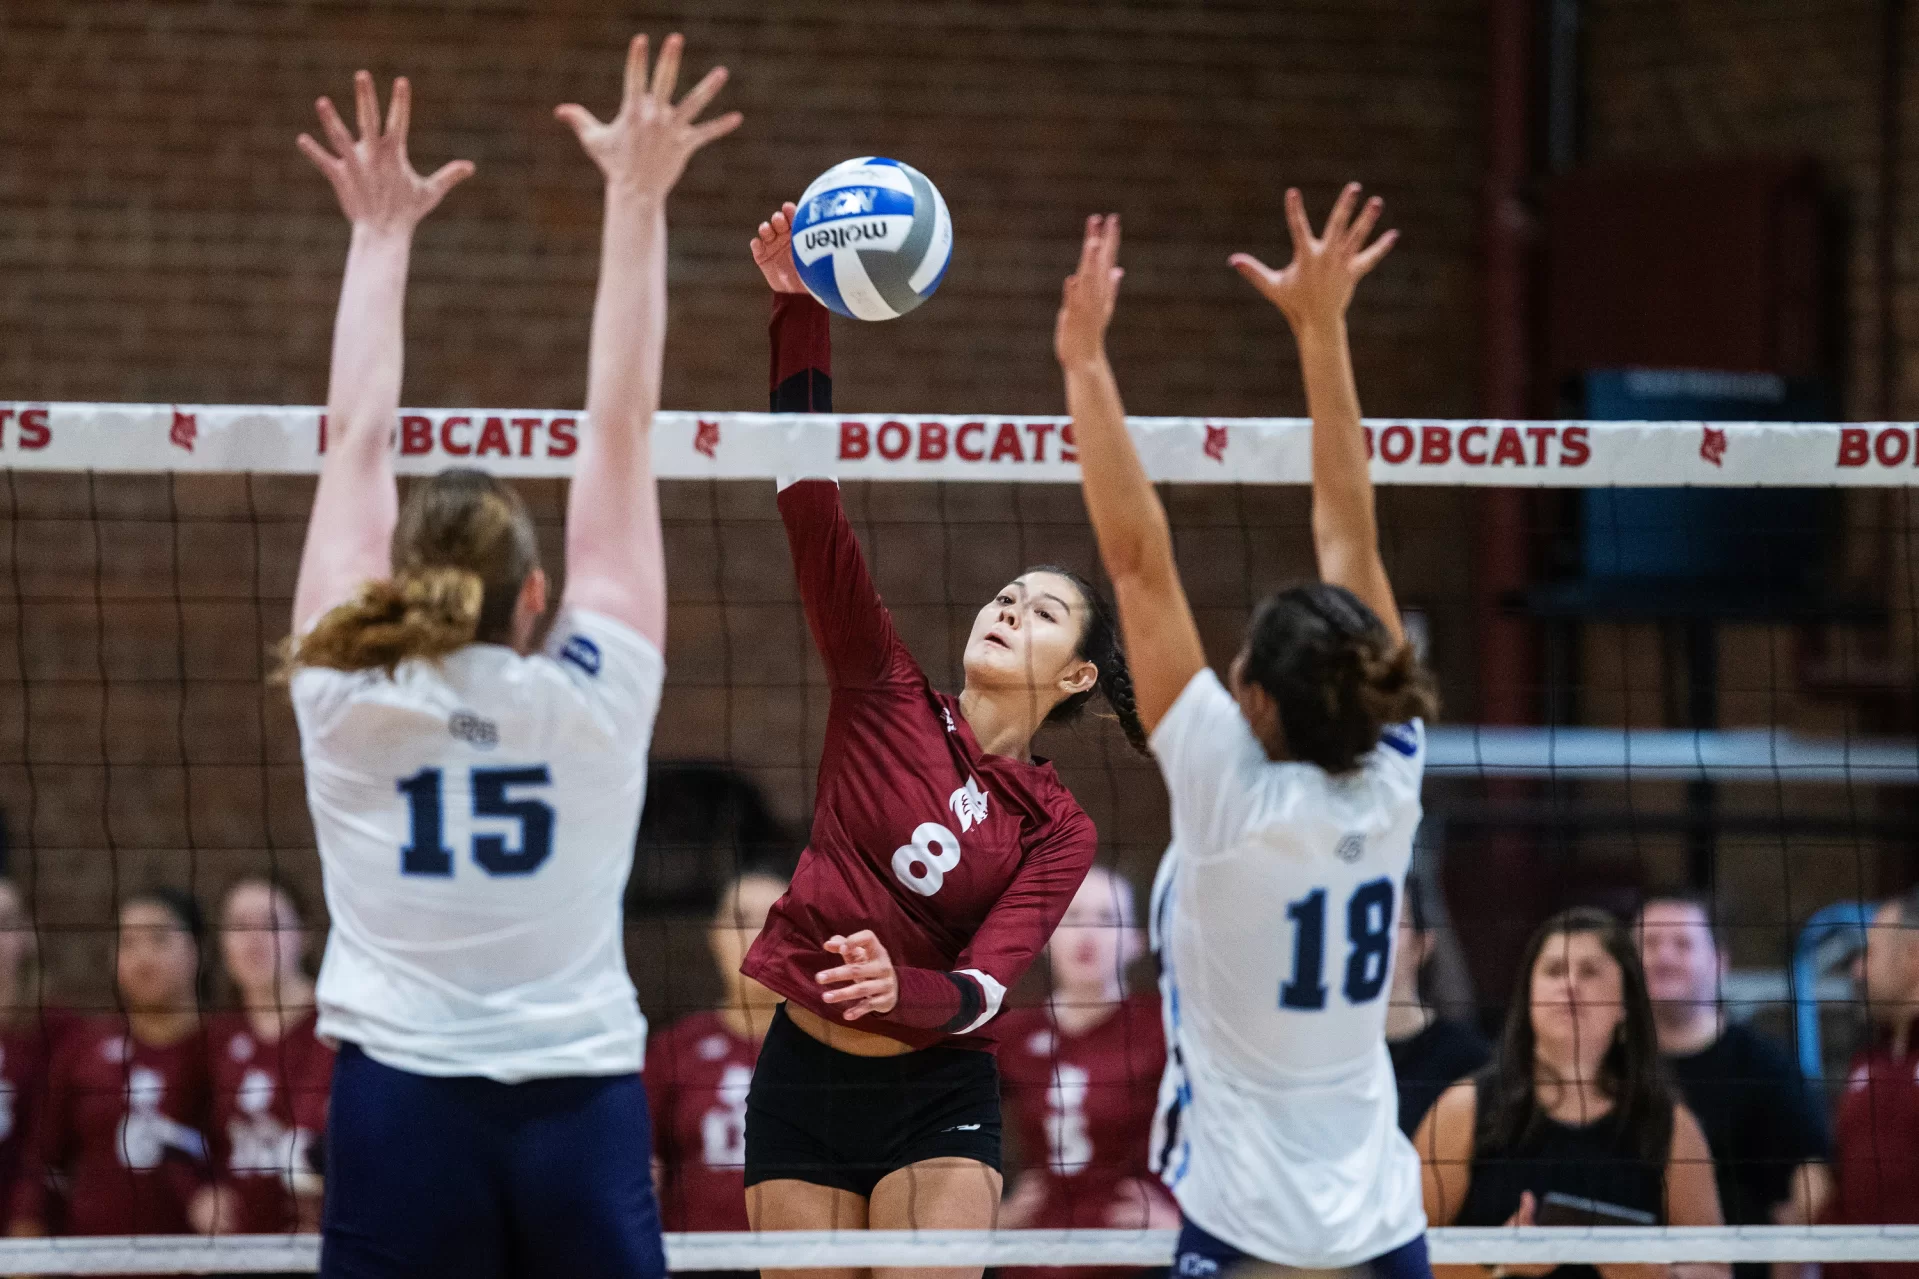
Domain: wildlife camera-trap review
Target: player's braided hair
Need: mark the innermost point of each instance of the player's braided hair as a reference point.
(462, 549)
(1099, 643)
(1335, 673)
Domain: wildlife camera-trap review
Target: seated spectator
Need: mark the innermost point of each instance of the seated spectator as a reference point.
(1766, 1131)
(697, 1071)
(123, 1124)
(30, 1031)
(1573, 1123)
(1080, 1080)
(1876, 1155)
(270, 1072)
(1430, 1052)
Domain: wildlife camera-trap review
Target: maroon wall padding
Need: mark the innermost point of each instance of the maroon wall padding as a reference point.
(1711, 267)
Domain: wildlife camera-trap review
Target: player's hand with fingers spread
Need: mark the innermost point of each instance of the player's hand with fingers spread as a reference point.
(376, 184)
(644, 148)
(1315, 287)
(870, 983)
(1086, 301)
(773, 251)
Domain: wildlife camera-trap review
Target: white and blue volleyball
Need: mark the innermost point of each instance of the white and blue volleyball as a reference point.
(872, 238)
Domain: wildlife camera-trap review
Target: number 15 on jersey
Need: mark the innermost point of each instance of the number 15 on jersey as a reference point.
(1369, 941)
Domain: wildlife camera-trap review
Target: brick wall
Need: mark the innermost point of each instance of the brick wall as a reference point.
(1675, 84)
(160, 239)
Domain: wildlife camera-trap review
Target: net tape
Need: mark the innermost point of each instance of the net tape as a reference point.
(145, 438)
(814, 1249)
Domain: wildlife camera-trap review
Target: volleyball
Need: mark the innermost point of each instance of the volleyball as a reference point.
(872, 238)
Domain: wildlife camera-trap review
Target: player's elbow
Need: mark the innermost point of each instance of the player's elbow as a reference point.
(1141, 551)
(1341, 532)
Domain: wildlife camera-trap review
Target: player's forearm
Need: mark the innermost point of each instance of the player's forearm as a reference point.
(612, 521)
(952, 1003)
(1128, 520)
(1343, 520)
(369, 343)
(628, 341)
(801, 338)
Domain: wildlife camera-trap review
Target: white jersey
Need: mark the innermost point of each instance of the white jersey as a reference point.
(476, 820)
(1273, 917)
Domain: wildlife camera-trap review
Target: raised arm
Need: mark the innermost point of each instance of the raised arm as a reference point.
(851, 627)
(350, 532)
(1135, 541)
(615, 558)
(1313, 291)
(801, 329)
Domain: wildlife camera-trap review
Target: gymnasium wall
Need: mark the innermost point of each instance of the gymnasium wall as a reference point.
(1669, 85)
(161, 239)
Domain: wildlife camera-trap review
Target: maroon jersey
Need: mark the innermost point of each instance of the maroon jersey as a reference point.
(961, 863)
(25, 1053)
(1876, 1155)
(697, 1074)
(1083, 1104)
(121, 1132)
(269, 1108)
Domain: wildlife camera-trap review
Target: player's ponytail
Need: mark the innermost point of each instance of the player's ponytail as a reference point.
(1335, 673)
(462, 550)
(1099, 643)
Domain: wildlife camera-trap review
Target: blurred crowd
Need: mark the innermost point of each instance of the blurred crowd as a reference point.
(1619, 1089)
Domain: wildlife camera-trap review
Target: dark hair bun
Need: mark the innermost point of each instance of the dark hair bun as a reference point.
(1335, 673)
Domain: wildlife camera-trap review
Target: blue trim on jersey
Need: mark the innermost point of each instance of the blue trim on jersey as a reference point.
(583, 653)
(1176, 1154)
(1403, 738)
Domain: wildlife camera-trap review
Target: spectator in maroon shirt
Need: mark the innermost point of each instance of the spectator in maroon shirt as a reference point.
(1876, 1154)
(698, 1068)
(123, 1126)
(270, 1072)
(29, 1033)
(1082, 1079)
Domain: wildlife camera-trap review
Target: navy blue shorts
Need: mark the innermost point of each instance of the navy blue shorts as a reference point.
(474, 1179)
(1202, 1256)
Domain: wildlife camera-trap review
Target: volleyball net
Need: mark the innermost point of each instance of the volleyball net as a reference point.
(1675, 656)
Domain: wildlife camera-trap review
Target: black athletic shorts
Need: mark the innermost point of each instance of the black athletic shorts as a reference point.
(819, 1115)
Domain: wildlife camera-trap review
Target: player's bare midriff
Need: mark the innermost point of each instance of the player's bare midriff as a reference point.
(860, 1043)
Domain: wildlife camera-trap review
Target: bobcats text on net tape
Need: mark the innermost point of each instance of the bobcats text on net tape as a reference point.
(137, 438)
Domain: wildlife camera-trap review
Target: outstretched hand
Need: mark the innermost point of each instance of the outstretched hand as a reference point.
(871, 985)
(1086, 301)
(773, 251)
(372, 176)
(1318, 283)
(646, 146)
